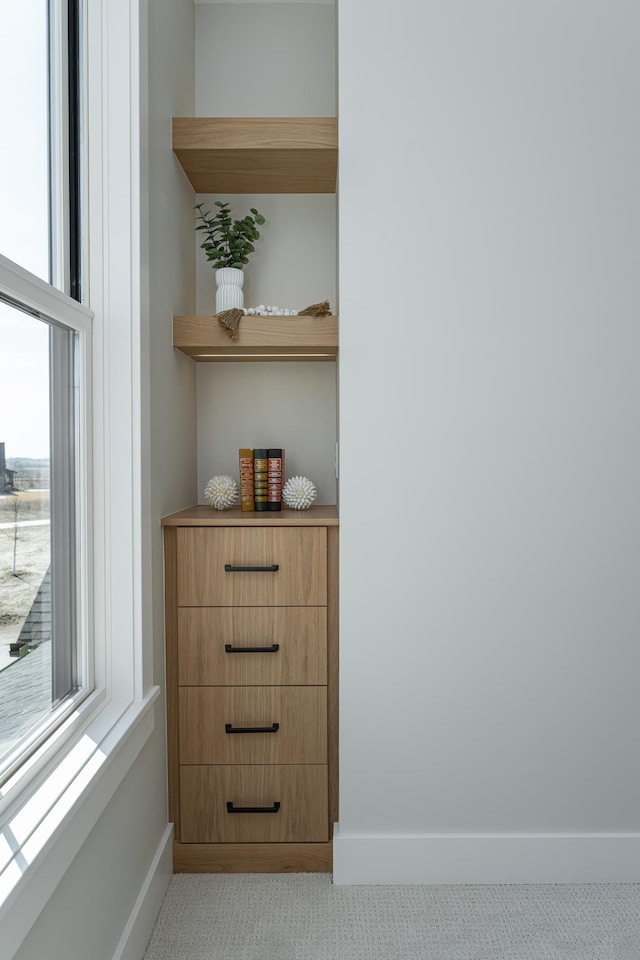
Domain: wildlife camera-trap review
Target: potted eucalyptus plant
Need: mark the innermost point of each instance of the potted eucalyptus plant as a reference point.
(228, 244)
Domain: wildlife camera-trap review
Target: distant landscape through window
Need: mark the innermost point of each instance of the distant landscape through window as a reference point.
(25, 527)
(38, 381)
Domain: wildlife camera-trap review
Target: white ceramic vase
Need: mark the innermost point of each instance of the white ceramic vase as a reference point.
(229, 293)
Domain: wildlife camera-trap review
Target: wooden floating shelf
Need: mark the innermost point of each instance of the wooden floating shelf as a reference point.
(259, 339)
(258, 155)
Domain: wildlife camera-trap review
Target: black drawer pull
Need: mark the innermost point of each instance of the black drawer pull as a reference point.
(232, 809)
(229, 568)
(272, 649)
(229, 728)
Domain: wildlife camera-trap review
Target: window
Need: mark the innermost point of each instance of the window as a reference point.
(42, 672)
(25, 225)
(59, 777)
(39, 666)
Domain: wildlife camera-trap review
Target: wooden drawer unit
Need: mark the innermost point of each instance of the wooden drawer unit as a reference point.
(253, 724)
(219, 804)
(262, 567)
(236, 646)
(251, 630)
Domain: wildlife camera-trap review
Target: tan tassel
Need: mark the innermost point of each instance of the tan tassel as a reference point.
(229, 320)
(316, 310)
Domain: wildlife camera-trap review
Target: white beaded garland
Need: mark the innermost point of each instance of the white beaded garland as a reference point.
(221, 492)
(299, 493)
(269, 311)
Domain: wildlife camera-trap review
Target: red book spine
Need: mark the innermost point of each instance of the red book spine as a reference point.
(274, 479)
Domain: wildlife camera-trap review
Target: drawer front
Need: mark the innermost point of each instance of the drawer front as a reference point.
(204, 554)
(234, 646)
(296, 795)
(207, 713)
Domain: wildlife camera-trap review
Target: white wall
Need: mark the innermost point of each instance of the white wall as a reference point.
(87, 916)
(172, 430)
(270, 60)
(489, 234)
(294, 263)
(265, 60)
(89, 910)
(273, 404)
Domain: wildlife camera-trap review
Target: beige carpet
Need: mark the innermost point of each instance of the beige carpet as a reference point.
(304, 917)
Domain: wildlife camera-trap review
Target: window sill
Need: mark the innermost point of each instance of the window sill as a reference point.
(41, 836)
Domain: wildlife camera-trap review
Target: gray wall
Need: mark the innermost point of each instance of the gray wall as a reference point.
(489, 601)
(257, 60)
(265, 60)
(87, 914)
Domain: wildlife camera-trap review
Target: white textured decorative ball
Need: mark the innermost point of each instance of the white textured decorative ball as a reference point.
(221, 492)
(299, 493)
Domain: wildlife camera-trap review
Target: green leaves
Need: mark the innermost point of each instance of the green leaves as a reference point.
(228, 242)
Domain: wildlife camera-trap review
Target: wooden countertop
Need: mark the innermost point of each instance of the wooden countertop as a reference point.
(204, 516)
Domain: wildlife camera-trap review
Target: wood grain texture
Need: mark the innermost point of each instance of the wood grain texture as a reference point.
(299, 632)
(332, 673)
(258, 155)
(171, 646)
(251, 355)
(259, 338)
(299, 553)
(252, 857)
(301, 792)
(202, 516)
(300, 711)
(308, 725)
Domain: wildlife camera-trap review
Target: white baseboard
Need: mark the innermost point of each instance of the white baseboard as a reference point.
(489, 858)
(142, 918)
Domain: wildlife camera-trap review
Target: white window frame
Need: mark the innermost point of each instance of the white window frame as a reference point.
(36, 296)
(53, 800)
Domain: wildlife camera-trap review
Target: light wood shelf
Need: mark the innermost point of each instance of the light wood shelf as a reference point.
(203, 516)
(259, 339)
(258, 155)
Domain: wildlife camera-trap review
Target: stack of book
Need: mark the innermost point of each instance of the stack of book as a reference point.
(261, 478)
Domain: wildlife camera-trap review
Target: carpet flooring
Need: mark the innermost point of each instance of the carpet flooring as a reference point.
(304, 917)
